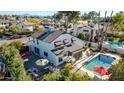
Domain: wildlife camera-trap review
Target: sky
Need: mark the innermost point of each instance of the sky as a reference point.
(43, 13)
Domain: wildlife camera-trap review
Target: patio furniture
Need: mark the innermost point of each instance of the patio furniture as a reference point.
(101, 70)
(42, 62)
(26, 60)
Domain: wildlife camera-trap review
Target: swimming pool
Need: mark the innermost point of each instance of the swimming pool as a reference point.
(100, 60)
(115, 44)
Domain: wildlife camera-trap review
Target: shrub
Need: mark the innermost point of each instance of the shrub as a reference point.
(94, 49)
(81, 36)
(117, 71)
(122, 55)
(25, 32)
(111, 39)
(66, 74)
(18, 45)
(85, 48)
(104, 50)
(113, 51)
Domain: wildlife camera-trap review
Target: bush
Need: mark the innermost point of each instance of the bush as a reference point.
(117, 71)
(85, 48)
(111, 38)
(25, 32)
(94, 49)
(18, 45)
(1, 36)
(81, 36)
(122, 55)
(113, 51)
(66, 74)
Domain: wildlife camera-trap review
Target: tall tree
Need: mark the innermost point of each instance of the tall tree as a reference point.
(93, 15)
(14, 63)
(118, 22)
(117, 71)
(14, 29)
(68, 16)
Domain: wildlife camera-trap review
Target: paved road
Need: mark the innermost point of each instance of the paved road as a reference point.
(24, 40)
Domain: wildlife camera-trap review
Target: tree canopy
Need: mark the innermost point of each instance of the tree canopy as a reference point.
(68, 16)
(118, 22)
(18, 45)
(66, 74)
(117, 71)
(14, 29)
(81, 36)
(14, 63)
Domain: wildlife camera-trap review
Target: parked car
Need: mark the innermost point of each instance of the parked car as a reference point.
(25, 54)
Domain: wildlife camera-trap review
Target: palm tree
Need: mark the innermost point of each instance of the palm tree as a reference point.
(103, 33)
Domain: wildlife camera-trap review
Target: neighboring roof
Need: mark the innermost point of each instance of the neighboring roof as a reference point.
(4, 21)
(48, 36)
(37, 34)
(28, 23)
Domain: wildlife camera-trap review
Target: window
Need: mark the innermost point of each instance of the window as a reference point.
(33, 40)
(86, 30)
(46, 54)
(37, 50)
(37, 42)
(60, 59)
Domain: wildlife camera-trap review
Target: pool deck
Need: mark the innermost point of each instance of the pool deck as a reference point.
(78, 66)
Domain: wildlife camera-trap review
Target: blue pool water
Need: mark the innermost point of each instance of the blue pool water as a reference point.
(115, 44)
(100, 60)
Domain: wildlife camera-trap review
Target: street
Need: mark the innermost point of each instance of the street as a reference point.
(23, 39)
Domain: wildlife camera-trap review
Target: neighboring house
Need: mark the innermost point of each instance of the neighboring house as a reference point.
(55, 46)
(49, 27)
(88, 29)
(27, 25)
(4, 23)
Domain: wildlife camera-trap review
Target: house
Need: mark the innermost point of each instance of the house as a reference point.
(56, 45)
(49, 27)
(4, 23)
(27, 25)
(88, 29)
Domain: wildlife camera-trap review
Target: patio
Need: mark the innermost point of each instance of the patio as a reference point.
(32, 64)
